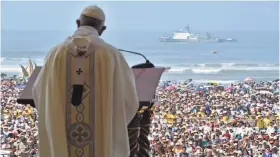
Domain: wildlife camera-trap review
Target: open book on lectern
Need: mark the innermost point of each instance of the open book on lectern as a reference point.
(146, 80)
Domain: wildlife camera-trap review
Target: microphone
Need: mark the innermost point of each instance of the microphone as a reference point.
(148, 64)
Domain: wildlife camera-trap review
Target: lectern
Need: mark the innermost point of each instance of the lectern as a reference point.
(26, 95)
(146, 80)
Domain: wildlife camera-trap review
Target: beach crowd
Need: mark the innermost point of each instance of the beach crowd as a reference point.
(188, 120)
(240, 119)
(18, 122)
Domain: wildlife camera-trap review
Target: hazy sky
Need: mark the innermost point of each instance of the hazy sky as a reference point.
(234, 16)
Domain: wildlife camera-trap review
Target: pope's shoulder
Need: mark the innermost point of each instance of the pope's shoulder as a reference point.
(103, 46)
(99, 45)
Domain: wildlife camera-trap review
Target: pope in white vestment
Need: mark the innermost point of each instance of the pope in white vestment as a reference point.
(96, 127)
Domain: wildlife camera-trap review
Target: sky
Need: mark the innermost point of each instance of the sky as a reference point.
(221, 16)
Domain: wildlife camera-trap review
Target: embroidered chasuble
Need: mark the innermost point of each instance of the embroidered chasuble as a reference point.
(80, 107)
(85, 95)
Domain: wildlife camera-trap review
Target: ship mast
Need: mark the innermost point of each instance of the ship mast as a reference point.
(208, 36)
(188, 28)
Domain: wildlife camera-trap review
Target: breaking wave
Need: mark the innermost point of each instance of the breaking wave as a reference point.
(10, 69)
(12, 65)
(2, 59)
(223, 67)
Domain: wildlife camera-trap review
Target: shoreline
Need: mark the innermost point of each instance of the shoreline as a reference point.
(181, 81)
(224, 77)
(201, 72)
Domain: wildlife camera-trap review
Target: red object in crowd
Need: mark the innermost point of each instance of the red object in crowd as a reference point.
(227, 135)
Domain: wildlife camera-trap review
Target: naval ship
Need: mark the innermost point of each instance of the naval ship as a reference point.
(187, 36)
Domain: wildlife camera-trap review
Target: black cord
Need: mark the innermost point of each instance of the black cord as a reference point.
(135, 53)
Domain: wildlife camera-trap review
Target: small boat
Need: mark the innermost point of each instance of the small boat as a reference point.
(214, 52)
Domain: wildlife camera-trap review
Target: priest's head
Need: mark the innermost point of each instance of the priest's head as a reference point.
(92, 16)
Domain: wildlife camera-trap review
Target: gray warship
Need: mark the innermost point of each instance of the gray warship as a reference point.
(187, 36)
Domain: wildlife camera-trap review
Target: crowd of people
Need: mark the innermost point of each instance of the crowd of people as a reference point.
(18, 122)
(188, 120)
(211, 120)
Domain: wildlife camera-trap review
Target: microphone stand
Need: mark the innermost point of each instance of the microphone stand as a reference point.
(148, 64)
(139, 127)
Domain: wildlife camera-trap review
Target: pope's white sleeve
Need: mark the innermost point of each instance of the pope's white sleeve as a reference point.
(130, 93)
(38, 89)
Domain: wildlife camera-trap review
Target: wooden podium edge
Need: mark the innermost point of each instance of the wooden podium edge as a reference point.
(25, 98)
(26, 95)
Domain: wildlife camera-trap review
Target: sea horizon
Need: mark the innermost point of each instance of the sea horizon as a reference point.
(255, 54)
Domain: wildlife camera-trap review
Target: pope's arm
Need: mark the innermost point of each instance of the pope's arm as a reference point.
(130, 93)
(38, 92)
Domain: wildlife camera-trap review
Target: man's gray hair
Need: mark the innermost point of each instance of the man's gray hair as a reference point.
(90, 21)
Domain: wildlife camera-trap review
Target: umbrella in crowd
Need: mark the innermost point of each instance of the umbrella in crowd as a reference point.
(249, 79)
(171, 88)
(276, 91)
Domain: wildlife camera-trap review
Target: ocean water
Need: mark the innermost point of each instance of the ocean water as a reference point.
(256, 54)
